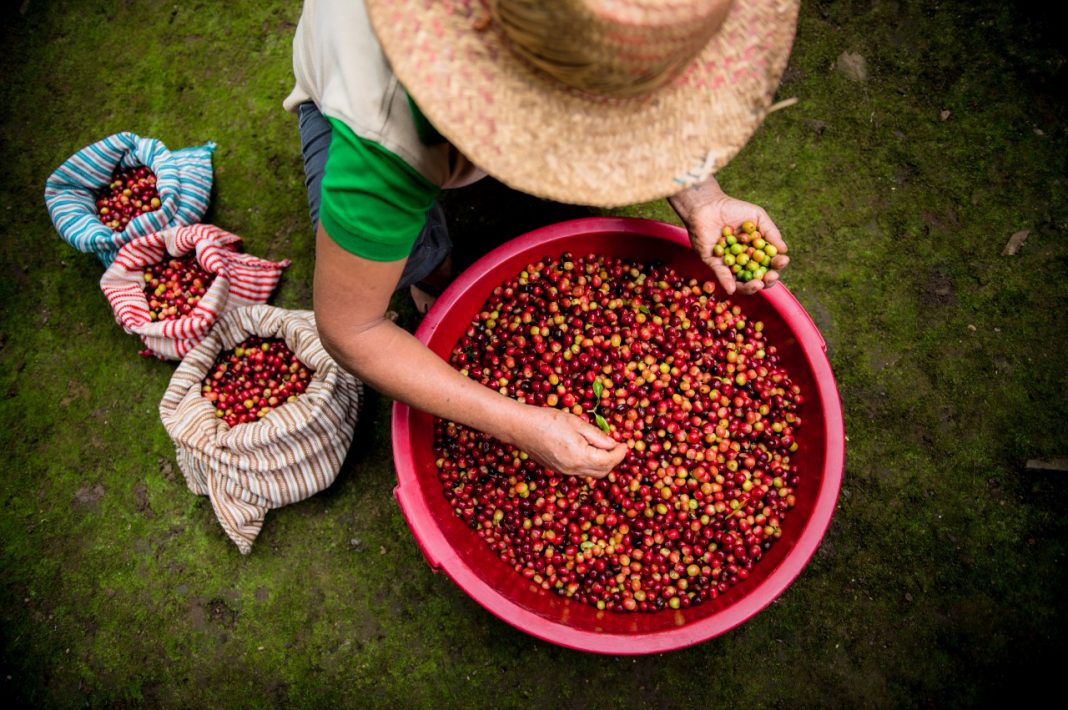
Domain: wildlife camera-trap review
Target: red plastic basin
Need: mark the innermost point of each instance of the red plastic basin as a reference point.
(450, 546)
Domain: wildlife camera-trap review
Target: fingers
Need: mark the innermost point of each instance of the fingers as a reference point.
(769, 230)
(601, 453)
(601, 447)
(574, 447)
(750, 287)
(700, 243)
(769, 279)
(602, 462)
(719, 270)
(722, 273)
(594, 436)
(771, 233)
(599, 463)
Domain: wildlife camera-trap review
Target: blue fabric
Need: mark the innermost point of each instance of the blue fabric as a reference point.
(183, 180)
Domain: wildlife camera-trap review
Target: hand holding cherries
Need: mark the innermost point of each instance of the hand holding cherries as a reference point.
(745, 251)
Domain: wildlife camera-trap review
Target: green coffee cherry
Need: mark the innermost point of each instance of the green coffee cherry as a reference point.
(745, 251)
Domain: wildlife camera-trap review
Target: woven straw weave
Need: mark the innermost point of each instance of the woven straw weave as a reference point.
(240, 280)
(539, 135)
(183, 180)
(291, 454)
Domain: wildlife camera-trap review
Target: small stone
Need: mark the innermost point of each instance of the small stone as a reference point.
(1059, 464)
(816, 125)
(88, 497)
(852, 66)
(1015, 242)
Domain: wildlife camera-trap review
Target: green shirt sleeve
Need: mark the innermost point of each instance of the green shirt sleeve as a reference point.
(373, 204)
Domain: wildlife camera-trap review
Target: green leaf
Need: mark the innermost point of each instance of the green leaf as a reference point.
(598, 388)
(601, 423)
(643, 309)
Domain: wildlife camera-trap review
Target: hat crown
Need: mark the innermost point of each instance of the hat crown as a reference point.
(616, 48)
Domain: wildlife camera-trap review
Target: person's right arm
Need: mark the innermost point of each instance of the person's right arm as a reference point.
(351, 297)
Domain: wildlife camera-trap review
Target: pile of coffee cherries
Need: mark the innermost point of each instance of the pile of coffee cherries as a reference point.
(251, 379)
(745, 251)
(685, 380)
(132, 192)
(174, 287)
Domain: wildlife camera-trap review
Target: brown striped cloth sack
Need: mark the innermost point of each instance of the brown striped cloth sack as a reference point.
(240, 280)
(292, 453)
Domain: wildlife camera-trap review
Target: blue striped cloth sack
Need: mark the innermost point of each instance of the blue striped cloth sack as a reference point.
(183, 180)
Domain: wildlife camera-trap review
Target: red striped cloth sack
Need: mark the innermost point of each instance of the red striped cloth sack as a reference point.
(289, 455)
(241, 280)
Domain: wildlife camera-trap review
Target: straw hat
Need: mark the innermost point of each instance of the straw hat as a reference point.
(597, 102)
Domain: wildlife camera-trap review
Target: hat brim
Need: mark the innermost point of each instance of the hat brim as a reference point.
(538, 136)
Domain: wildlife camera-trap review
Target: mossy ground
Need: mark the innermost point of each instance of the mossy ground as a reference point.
(940, 582)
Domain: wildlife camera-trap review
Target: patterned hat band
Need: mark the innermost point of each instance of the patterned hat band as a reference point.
(612, 48)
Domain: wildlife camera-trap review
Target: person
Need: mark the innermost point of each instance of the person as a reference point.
(593, 102)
